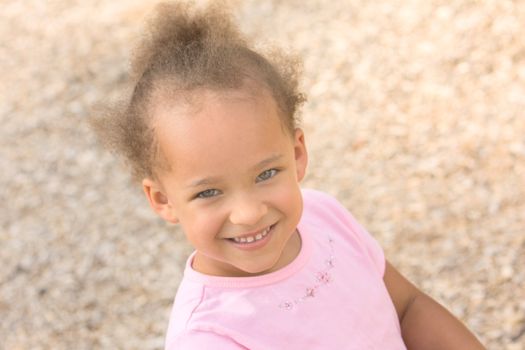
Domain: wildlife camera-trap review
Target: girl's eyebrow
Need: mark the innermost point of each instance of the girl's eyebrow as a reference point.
(205, 181)
(267, 161)
(211, 180)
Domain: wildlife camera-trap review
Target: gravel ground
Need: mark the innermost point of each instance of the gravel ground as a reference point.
(415, 121)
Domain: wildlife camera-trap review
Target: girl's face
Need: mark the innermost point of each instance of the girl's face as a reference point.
(234, 182)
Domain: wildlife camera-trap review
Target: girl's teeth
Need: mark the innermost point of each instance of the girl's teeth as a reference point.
(251, 239)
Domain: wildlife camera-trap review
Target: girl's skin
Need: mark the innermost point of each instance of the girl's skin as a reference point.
(240, 177)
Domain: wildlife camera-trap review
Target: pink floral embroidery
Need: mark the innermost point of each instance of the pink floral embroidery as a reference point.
(310, 292)
(287, 305)
(323, 277)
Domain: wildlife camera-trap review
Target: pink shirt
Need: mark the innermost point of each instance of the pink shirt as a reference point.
(332, 296)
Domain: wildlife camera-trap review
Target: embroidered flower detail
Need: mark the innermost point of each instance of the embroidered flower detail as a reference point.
(287, 305)
(310, 292)
(323, 277)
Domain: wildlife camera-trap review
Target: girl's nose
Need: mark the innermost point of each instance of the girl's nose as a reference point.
(247, 211)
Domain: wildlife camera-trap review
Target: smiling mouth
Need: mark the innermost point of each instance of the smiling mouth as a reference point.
(253, 238)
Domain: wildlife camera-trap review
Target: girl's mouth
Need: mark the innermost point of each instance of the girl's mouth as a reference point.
(254, 241)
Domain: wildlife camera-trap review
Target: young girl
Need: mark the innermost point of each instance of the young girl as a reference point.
(211, 132)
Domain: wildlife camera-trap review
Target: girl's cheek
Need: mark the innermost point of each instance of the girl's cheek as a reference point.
(285, 192)
(207, 220)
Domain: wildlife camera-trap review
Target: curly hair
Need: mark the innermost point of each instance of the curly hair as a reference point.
(185, 49)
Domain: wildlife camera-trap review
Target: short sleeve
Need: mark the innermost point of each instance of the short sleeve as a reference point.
(194, 339)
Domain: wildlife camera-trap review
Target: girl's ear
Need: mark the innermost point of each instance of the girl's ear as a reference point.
(301, 156)
(158, 200)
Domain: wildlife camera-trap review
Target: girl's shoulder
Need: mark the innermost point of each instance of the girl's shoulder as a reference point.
(310, 194)
(315, 200)
(326, 212)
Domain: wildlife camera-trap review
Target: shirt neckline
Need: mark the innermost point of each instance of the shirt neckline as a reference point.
(255, 281)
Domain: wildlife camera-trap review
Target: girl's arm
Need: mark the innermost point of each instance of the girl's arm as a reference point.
(425, 325)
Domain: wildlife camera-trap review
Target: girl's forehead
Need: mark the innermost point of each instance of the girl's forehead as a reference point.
(220, 128)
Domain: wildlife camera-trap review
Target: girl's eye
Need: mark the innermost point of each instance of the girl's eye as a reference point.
(267, 174)
(207, 193)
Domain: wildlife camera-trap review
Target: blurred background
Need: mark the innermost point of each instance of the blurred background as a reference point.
(415, 121)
